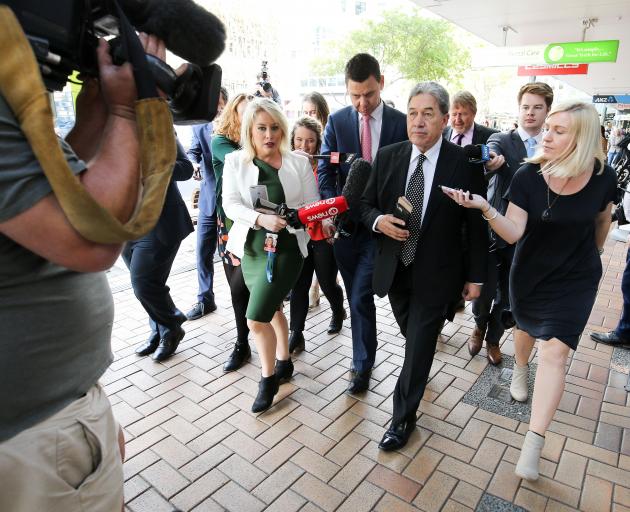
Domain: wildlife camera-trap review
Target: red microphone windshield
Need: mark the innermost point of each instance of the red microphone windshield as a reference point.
(323, 209)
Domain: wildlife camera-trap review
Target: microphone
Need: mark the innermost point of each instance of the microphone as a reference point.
(187, 29)
(337, 158)
(477, 153)
(298, 217)
(356, 181)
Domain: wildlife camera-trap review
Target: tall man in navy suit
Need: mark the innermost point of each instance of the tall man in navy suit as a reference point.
(362, 128)
(150, 259)
(200, 153)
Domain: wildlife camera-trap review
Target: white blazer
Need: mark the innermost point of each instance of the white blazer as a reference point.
(240, 173)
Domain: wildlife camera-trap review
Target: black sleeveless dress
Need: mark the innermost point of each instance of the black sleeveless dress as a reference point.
(557, 268)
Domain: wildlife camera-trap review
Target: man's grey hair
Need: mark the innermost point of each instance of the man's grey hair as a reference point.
(435, 90)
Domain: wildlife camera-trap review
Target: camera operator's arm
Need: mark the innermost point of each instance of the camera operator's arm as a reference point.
(112, 178)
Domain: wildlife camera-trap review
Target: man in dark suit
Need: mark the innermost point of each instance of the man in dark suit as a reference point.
(150, 259)
(463, 131)
(491, 309)
(362, 128)
(421, 264)
(201, 154)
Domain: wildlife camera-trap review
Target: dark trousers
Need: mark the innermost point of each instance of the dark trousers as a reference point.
(355, 259)
(495, 294)
(321, 260)
(149, 262)
(206, 246)
(240, 298)
(420, 324)
(623, 328)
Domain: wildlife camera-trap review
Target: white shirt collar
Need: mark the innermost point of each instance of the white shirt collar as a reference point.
(526, 136)
(377, 113)
(431, 155)
(468, 134)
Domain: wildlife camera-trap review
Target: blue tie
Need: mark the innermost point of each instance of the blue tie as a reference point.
(531, 147)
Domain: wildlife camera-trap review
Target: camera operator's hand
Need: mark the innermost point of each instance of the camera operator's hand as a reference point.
(117, 83)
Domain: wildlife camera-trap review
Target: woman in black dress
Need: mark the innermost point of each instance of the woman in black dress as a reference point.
(559, 215)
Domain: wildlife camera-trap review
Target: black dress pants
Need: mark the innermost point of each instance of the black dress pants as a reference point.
(495, 294)
(321, 259)
(420, 324)
(240, 299)
(149, 262)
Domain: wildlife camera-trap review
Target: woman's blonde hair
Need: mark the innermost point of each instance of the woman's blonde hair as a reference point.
(271, 108)
(229, 125)
(585, 148)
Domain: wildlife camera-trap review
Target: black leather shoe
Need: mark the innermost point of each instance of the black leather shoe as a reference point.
(267, 389)
(397, 436)
(284, 370)
(609, 338)
(360, 382)
(336, 322)
(238, 357)
(200, 309)
(168, 345)
(149, 346)
(296, 341)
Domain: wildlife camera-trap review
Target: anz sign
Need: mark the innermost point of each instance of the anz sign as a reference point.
(623, 98)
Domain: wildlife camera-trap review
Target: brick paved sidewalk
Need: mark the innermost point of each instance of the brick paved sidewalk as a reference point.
(193, 444)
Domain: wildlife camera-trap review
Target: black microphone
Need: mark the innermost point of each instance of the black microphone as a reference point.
(477, 153)
(187, 29)
(356, 181)
(353, 188)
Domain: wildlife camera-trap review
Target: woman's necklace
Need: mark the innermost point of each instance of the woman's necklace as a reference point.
(546, 215)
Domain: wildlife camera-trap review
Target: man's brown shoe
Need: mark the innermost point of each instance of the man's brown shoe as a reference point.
(475, 342)
(494, 354)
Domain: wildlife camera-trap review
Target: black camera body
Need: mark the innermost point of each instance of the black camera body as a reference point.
(264, 83)
(64, 36)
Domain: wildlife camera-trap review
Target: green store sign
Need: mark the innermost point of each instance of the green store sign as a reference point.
(582, 53)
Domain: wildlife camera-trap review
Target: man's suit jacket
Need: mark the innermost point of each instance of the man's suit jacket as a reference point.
(174, 223)
(481, 133)
(440, 267)
(511, 146)
(200, 153)
(342, 135)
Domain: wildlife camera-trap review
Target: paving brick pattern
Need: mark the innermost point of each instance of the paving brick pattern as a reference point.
(193, 444)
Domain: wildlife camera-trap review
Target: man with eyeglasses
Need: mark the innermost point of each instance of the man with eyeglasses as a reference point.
(492, 309)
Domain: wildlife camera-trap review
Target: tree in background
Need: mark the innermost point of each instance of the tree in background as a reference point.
(407, 45)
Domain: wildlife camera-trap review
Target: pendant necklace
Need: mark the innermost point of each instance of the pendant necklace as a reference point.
(546, 215)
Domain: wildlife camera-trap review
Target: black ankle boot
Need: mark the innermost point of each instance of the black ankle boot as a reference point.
(296, 341)
(267, 388)
(284, 370)
(336, 322)
(238, 357)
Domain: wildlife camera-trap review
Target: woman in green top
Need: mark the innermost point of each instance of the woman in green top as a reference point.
(226, 139)
(272, 253)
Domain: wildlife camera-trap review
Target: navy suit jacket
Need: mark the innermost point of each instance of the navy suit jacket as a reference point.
(200, 153)
(174, 223)
(342, 135)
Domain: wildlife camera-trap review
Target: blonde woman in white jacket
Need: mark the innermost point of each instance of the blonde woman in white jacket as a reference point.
(272, 253)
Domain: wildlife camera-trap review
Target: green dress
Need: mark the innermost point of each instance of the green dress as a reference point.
(266, 298)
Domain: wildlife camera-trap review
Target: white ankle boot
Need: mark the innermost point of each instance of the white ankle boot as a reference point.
(518, 386)
(527, 466)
